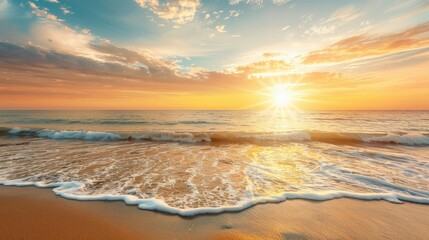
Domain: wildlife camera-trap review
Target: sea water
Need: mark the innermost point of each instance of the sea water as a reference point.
(193, 162)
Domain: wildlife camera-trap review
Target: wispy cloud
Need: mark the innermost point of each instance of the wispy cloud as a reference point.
(285, 28)
(337, 19)
(419, 8)
(43, 13)
(363, 46)
(401, 5)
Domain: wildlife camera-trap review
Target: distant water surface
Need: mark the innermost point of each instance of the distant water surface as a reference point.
(191, 162)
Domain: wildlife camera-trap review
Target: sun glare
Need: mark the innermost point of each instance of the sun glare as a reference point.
(281, 99)
(281, 96)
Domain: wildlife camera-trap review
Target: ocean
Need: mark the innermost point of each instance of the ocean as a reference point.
(195, 162)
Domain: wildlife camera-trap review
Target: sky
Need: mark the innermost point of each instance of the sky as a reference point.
(217, 54)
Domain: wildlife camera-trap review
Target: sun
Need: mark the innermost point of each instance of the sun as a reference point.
(281, 96)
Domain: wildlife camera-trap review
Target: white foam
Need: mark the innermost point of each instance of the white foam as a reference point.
(16, 130)
(84, 135)
(407, 139)
(65, 134)
(74, 190)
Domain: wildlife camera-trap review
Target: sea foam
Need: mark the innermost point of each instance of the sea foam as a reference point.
(407, 139)
(73, 190)
(65, 134)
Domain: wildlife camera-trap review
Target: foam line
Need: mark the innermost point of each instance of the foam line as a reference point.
(66, 189)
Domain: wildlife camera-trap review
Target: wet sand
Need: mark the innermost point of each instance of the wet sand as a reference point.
(34, 213)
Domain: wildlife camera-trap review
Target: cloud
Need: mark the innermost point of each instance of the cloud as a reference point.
(65, 10)
(257, 2)
(85, 31)
(177, 11)
(285, 28)
(337, 19)
(53, 38)
(271, 54)
(61, 38)
(389, 63)
(418, 8)
(112, 61)
(264, 66)
(41, 78)
(347, 13)
(43, 13)
(155, 67)
(220, 28)
(280, 2)
(401, 5)
(232, 13)
(35, 77)
(328, 80)
(30, 57)
(363, 46)
(4, 5)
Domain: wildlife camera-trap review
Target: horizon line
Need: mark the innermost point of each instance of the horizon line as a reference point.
(209, 110)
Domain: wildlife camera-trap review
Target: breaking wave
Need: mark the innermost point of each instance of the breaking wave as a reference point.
(108, 122)
(228, 137)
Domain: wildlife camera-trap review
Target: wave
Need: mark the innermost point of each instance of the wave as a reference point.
(54, 134)
(108, 122)
(399, 139)
(75, 191)
(228, 137)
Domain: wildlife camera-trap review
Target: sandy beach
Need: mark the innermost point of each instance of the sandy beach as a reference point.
(34, 213)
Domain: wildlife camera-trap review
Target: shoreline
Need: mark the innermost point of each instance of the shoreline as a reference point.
(156, 205)
(35, 213)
